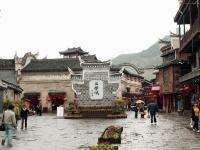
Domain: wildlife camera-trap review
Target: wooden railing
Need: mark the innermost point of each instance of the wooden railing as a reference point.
(190, 34)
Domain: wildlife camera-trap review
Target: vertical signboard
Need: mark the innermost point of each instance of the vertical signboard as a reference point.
(96, 89)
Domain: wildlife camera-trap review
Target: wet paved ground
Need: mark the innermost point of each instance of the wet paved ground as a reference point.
(172, 132)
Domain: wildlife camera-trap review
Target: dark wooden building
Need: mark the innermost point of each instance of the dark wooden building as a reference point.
(188, 19)
(169, 72)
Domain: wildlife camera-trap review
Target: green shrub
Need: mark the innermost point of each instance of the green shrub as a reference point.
(6, 103)
(119, 106)
(120, 103)
(17, 104)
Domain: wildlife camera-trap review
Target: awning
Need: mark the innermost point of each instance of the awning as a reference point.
(155, 88)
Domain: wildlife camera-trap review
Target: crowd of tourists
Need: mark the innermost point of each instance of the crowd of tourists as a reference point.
(139, 107)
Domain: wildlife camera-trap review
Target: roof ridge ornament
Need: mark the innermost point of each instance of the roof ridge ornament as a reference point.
(81, 60)
(70, 70)
(174, 34)
(163, 41)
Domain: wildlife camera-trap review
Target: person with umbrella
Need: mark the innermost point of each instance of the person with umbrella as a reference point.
(139, 106)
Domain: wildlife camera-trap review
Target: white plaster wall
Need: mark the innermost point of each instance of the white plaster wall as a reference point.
(133, 85)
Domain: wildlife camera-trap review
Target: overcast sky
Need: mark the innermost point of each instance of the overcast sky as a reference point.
(106, 28)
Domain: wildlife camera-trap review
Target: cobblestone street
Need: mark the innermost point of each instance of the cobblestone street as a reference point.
(172, 132)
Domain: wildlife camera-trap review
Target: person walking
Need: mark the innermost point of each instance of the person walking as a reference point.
(195, 115)
(39, 109)
(9, 122)
(192, 118)
(142, 110)
(24, 116)
(152, 109)
(136, 109)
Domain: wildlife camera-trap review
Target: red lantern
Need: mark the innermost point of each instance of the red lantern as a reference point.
(186, 89)
(154, 96)
(181, 90)
(150, 94)
(124, 98)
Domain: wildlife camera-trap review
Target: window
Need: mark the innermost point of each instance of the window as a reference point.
(169, 57)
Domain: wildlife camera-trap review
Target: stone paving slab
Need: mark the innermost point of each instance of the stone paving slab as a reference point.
(172, 132)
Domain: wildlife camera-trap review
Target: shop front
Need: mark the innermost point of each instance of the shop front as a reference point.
(169, 97)
(189, 93)
(57, 99)
(33, 98)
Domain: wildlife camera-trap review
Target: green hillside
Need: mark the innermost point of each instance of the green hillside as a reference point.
(145, 59)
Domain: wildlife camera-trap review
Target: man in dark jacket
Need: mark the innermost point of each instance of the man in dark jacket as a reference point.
(153, 109)
(39, 109)
(24, 116)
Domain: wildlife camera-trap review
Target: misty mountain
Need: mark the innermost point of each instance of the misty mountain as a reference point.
(148, 58)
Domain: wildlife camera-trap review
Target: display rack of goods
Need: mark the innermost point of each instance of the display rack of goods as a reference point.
(111, 135)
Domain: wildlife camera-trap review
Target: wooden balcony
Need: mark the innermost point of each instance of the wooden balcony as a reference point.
(190, 34)
(195, 73)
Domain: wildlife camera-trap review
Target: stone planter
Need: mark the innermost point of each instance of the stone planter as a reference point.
(111, 135)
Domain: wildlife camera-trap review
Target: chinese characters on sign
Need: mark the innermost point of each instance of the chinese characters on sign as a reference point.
(96, 89)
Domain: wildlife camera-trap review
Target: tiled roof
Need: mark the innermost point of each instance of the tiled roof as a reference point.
(168, 52)
(8, 75)
(12, 86)
(89, 58)
(115, 68)
(174, 62)
(52, 65)
(7, 64)
(2, 85)
(166, 47)
(126, 71)
(73, 50)
(163, 41)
